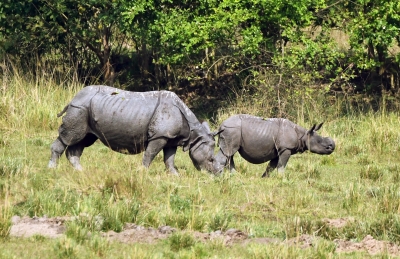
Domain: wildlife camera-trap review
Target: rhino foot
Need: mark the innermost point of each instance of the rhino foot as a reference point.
(265, 174)
(174, 173)
(52, 164)
(75, 163)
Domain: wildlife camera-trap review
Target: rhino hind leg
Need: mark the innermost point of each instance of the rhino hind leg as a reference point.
(221, 160)
(271, 166)
(229, 144)
(169, 157)
(74, 155)
(74, 152)
(229, 141)
(72, 137)
(232, 167)
(57, 149)
(74, 126)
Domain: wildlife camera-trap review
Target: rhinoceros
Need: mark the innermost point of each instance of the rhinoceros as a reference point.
(133, 122)
(260, 140)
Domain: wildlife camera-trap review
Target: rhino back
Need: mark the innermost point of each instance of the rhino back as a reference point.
(263, 139)
(84, 96)
(259, 139)
(121, 120)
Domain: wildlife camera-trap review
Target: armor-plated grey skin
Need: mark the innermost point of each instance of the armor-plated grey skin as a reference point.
(260, 140)
(130, 123)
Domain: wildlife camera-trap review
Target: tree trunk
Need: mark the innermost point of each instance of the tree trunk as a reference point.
(167, 76)
(216, 65)
(144, 61)
(107, 67)
(371, 50)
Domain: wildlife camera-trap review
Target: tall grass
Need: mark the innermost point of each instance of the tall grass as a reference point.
(359, 181)
(30, 103)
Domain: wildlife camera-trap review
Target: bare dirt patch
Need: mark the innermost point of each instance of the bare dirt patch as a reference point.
(303, 241)
(132, 233)
(368, 244)
(27, 227)
(338, 223)
(229, 237)
(138, 234)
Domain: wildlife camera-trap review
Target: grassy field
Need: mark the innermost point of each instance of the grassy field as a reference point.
(359, 182)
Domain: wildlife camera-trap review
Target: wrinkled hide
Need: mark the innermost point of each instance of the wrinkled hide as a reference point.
(260, 140)
(131, 123)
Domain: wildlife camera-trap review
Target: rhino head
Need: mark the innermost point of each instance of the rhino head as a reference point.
(317, 144)
(201, 148)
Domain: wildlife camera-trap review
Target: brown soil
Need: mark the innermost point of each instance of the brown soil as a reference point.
(368, 244)
(27, 227)
(138, 234)
(338, 223)
(54, 228)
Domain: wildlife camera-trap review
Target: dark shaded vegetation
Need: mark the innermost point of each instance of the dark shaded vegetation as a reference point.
(209, 52)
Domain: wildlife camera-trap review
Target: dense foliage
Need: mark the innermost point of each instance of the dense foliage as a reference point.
(209, 44)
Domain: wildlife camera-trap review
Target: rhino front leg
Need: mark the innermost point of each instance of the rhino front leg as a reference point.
(153, 148)
(57, 149)
(169, 156)
(278, 162)
(283, 159)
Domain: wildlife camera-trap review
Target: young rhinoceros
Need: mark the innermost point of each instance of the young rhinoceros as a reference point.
(130, 123)
(260, 140)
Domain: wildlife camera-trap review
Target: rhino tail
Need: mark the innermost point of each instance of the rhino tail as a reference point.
(63, 111)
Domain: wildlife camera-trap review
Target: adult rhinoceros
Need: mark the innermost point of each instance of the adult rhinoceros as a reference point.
(133, 122)
(260, 140)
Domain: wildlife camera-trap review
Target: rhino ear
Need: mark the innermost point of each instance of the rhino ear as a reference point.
(318, 126)
(217, 132)
(193, 144)
(312, 129)
(193, 140)
(185, 148)
(315, 128)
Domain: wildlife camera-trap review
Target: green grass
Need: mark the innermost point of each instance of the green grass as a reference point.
(359, 180)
